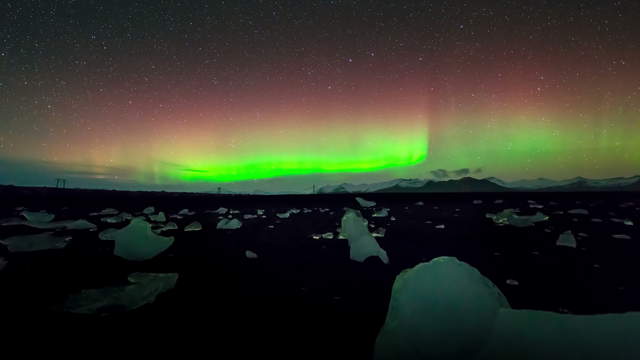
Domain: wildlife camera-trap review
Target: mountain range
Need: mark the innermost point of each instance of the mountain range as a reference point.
(490, 184)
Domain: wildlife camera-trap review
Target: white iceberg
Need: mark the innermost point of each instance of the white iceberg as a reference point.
(365, 203)
(566, 239)
(443, 309)
(446, 309)
(35, 242)
(229, 224)
(138, 242)
(361, 243)
(194, 226)
(143, 289)
(37, 217)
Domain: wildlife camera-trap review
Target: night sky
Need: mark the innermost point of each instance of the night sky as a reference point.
(277, 95)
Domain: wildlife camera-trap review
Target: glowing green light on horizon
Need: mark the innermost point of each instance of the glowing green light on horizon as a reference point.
(339, 154)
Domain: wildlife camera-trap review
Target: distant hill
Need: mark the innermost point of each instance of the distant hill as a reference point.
(466, 184)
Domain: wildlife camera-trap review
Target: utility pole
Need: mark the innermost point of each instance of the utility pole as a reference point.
(61, 183)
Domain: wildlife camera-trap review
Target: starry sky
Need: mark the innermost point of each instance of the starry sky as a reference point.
(281, 95)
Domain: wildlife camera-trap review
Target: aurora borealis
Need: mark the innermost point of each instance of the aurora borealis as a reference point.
(285, 94)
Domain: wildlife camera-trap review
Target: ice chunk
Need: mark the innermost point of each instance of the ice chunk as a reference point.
(107, 234)
(536, 206)
(138, 242)
(306, 211)
(283, 215)
(419, 203)
(168, 226)
(271, 226)
(80, 225)
(443, 309)
(440, 226)
(249, 216)
(112, 219)
(583, 235)
(221, 211)
(558, 212)
(250, 254)
(628, 222)
(316, 236)
(143, 289)
(393, 218)
(328, 235)
(229, 224)
(260, 212)
(512, 282)
(194, 226)
(579, 212)
(379, 232)
(566, 239)
(234, 211)
(160, 217)
(508, 216)
(35, 242)
(477, 202)
(617, 220)
(361, 243)
(622, 236)
(186, 212)
(149, 210)
(499, 201)
(176, 216)
(107, 211)
(381, 213)
(126, 216)
(365, 203)
(37, 217)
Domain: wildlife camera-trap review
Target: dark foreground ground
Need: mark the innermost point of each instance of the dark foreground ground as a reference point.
(304, 297)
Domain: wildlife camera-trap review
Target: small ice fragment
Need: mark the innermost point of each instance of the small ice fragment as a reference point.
(149, 210)
(186, 212)
(441, 226)
(250, 254)
(38, 217)
(365, 203)
(477, 202)
(419, 203)
(160, 217)
(194, 226)
(622, 236)
(328, 235)
(512, 282)
(566, 239)
(229, 224)
(249, 216)
(381, 213)
(579, 212)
